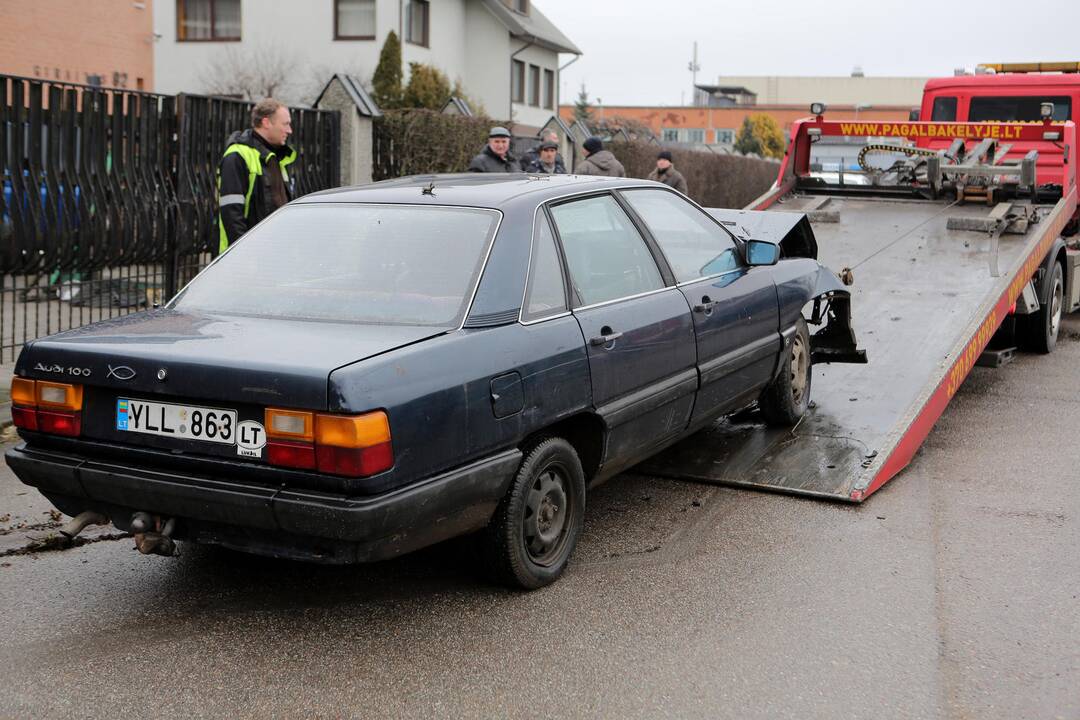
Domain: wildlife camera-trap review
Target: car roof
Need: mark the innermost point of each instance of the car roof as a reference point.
(471, 189)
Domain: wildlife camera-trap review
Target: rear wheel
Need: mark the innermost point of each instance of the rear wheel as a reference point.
(787, 397)
(537, 525)
(1040, 329)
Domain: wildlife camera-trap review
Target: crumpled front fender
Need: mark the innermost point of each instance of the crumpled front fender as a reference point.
(834, 343)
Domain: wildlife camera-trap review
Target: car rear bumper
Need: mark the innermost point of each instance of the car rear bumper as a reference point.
(277, 521)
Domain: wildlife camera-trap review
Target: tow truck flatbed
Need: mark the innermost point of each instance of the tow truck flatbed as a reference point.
(926, 301)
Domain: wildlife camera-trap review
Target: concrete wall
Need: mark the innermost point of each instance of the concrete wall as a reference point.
(793, 90)
(356, 139)
(487, 60)
(69, 41)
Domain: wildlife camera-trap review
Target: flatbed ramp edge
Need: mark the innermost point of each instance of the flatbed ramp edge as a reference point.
(925, 305)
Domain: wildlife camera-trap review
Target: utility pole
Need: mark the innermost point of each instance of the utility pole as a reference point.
(693, 67)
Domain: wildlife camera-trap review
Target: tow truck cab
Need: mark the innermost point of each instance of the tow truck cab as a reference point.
(1011, 93)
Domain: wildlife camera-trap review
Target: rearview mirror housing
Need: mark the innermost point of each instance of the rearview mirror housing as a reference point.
(759, 252)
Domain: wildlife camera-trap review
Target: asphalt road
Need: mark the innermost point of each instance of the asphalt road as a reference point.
(951, 593)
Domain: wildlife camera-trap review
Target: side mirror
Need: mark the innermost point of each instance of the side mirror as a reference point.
(759, 252)
(914, 115)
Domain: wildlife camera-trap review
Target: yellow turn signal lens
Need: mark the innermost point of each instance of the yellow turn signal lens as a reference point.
(290, 424)
(60, 396)
(23, 392)
(352, 431)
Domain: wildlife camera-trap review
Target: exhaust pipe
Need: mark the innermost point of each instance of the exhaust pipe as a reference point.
(77, 524)
(149, 540)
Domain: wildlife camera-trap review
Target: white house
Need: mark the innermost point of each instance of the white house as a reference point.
(504, 52)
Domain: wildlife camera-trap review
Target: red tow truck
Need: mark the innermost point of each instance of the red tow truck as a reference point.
(959, 234)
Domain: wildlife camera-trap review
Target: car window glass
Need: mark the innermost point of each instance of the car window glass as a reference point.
(545, 295)
(692, 243)
(1018, 108)
(606, 256)
(372, 264)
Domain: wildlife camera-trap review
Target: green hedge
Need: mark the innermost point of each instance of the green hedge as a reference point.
(714, 180)
(418, 142)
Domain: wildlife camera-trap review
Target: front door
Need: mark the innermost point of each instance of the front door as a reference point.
(637, 327)
(734, 306)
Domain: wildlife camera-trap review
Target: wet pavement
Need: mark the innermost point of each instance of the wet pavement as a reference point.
(951, 593)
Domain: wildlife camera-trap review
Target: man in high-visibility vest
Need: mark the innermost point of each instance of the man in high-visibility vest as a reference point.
(253, 177)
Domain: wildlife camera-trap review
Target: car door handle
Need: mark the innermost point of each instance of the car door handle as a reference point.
(706, 305)
(607, 337)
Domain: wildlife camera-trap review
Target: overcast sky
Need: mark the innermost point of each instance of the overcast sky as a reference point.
(636, 52)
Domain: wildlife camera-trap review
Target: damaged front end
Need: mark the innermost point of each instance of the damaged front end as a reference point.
(834, 343)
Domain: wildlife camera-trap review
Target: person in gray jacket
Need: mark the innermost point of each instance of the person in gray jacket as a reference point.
(599, 161)
(666, 173)
(496, 156)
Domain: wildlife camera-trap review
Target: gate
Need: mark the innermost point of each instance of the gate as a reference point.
(109, 197)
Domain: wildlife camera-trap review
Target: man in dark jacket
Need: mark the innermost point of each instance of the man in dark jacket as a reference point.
(666, 173)
(547, 161)
(253, 177)
(533, 155)
(599, 161)
(496, 156)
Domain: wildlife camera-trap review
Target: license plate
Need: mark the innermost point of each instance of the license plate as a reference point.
(183, 422)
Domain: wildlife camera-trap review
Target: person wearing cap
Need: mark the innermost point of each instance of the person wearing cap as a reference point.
(666, 173)
(533, 155)
(547, 160)
(599, 161)
(496, 157)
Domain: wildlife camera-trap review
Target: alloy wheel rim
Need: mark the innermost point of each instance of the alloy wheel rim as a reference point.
(1055, 308)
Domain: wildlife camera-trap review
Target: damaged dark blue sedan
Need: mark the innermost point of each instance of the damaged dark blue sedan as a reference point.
(372, 370)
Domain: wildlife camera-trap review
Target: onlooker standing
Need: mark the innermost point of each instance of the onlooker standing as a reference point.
(533, 155)
(496, 157)
(599, 161)
(253, 177)
(666, 173)
(547, 162)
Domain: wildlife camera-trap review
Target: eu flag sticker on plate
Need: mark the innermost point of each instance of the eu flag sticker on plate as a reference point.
(122, 414)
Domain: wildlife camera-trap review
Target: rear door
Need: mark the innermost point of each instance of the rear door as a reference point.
(734, 306)
(636, 325)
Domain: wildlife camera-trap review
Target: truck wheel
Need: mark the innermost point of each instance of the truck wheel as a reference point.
(537, 525)
(787, 397)
(1040, 331)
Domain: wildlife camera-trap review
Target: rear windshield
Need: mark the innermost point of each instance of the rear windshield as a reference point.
(381, 264)
(1017, 108)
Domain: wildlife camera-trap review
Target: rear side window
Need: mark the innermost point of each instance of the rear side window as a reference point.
(606, 256)
(1017, 108)
(944, 109)
(546, 294)
(372, 264)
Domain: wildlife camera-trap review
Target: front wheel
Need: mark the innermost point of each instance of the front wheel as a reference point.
(537, 525)
(1040, 329)
(787, 397)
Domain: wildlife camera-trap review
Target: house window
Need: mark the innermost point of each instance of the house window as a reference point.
(534, 86)
(725, 137)
(354, 19)
(517, 81)
(694, 135)
(670, 135)
(549, 89)
(417, 14)
(521, 6)
(207, 20)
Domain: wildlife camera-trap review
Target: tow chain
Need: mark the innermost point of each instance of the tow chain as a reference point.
(883, 147)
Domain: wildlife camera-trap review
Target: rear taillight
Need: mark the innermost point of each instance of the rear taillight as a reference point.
(351, 445)
(46, 406)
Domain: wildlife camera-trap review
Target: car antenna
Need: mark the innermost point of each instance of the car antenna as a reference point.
(429, 190)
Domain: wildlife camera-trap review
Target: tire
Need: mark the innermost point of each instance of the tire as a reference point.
(1040, 329)
(530, 538)
(786, 398)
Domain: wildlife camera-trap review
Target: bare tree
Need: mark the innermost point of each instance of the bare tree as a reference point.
(252, 74)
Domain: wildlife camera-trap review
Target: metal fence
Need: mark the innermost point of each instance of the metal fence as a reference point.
(109, 197)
